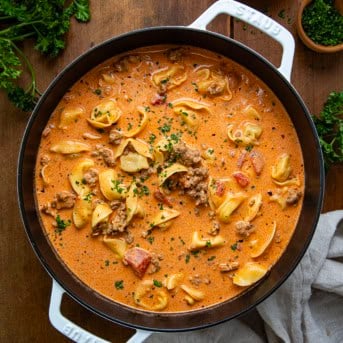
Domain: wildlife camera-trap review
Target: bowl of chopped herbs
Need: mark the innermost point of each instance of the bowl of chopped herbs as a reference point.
(320, 25)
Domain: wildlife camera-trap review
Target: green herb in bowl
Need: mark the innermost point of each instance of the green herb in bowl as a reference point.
(322, 23)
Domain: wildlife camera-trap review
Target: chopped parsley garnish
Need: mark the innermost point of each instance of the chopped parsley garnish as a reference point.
(234, 247)
(157, 283)
(164, 81)
(97, 91)
(249, 147)
(170, 105)
(116, 186)
(150, 239)
(129, 126)
(147, 109)
(208, 244)
(187, 258)
(61, 224)
(141, 191)
(211, 258)
(165, 128)
(88, 197)
(119, 284)
(107, 263)
(152, 138)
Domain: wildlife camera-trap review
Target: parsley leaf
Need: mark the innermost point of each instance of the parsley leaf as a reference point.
(329, 125)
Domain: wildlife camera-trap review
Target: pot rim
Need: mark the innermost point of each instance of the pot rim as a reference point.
(163, 318)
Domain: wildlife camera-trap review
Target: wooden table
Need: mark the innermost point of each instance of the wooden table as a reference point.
(24, 284)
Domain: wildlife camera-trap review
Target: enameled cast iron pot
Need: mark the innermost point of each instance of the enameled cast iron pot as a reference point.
(276, 79)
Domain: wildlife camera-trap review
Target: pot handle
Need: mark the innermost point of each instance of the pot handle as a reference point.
(73, 331)
(256, 19)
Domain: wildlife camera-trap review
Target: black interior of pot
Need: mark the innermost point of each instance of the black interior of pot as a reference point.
(314, 186)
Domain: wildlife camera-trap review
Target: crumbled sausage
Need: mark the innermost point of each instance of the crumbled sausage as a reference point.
(129, 238)
(185, 155)
(119, 222)
(215, 88)
(234, 80)
(214, 230)
(138, 259)
(195, 185)
(89, 135)
(195, 280)
(293, 196)
(105, 153)
(63, 199)
(91, 177)
(244, 228)
(46, 209)
(115, 204)
(155, 263)
(229, 266)
(115, 136)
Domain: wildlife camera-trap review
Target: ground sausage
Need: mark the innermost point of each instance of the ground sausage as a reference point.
(244, 228)
(138, 259)
(63, 199)
(293, 196)
(91, 177)
(115, 136)
(106, 154)
(185, 155)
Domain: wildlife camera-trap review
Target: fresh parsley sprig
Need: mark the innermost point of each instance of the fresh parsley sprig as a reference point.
(46, 21)
(329, 126)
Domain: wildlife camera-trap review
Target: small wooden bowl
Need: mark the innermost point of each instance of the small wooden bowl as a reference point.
(309, 42)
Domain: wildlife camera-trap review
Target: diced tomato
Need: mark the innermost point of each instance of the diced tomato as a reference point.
(138, 259)
(241, 179)
(158, 99)
(220, 188)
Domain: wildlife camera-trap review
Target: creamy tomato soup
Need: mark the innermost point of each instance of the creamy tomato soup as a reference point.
(169, 178)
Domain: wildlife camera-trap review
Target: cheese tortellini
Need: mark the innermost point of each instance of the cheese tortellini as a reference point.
(111, 186)
(247, 134)
(70, 147)
(169, 77)
(76, 176)
(150, 297)
(230, 204)
(105, 114)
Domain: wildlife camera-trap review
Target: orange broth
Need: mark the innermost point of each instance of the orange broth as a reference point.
(129, 84)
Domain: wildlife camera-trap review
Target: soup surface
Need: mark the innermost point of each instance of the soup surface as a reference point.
(169, 179)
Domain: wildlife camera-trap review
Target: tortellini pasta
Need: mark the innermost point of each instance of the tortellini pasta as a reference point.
(249, 274)
(193, 293)
(169, 77)
(230, 204)
(133, 162)
(217, 190)
(251, 112)
(163, 218)
(169, 171)
(137, 145)
(142, 124)
(100, 214)
(189, 111)
(199, 243)
(110, 186)
(247, 135)
(76, 176)
(173, 280)
(254, 205)
(149, 297)
(44, 175)
(282, 170)
(213, 83)
(132, 204)
(70, 147)
(105, 114)
(259, 245)
(117, 245)
(70, 116)
(82, 212)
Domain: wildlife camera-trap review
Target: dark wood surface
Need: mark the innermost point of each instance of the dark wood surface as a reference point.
(24, 285)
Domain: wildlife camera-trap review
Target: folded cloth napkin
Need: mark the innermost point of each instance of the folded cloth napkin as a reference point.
(308, 307)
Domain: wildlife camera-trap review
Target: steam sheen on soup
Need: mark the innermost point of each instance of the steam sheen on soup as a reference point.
(169, 178)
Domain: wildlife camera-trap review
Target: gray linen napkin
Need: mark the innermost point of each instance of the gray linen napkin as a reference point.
(308, 307)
